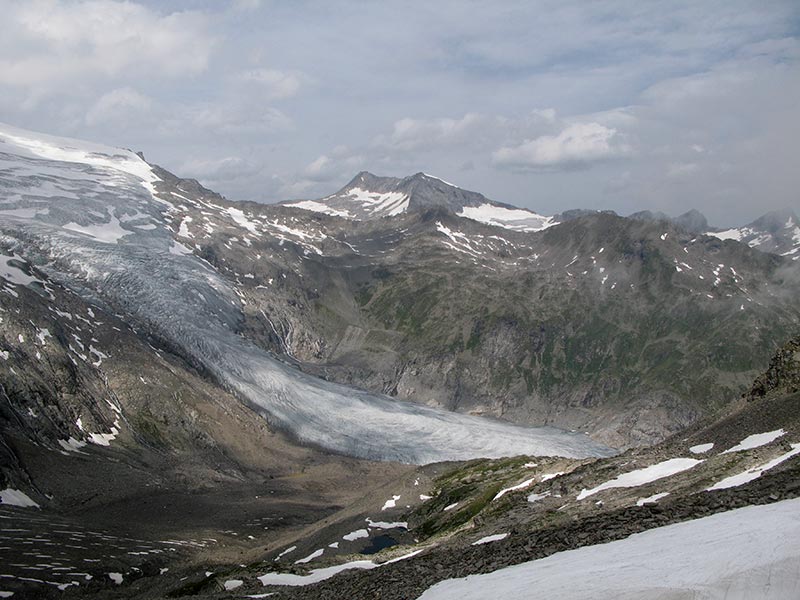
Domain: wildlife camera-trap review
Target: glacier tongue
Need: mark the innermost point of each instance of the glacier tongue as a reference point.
(119, 252)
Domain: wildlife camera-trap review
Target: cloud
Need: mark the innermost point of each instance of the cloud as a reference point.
(272, 83)
(340, 163)
(318, 166)
(47, 43)
(411, 134)
(491, 97)
(229, 117)
(578, 144)
(118, 106)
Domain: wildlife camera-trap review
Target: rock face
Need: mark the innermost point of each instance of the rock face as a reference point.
(583, 326)
(693, 221)
(783, 375)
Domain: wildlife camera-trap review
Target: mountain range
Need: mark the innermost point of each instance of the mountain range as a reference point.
(161, 346)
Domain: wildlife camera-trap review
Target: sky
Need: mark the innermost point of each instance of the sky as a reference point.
(549, 105)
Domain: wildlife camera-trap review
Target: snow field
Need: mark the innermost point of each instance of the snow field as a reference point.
(741, 554)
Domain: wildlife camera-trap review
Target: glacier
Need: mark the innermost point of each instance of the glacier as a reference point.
(90, 218)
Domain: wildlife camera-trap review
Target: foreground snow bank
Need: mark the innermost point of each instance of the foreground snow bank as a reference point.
(738, 555)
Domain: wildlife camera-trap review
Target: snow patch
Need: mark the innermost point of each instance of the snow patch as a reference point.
(14, 497)
(14, 274)
(701, 448)
(516, 219)
(356, 535)
(285, 552)
(310, 557)
(390, 503)
(651, 499)
(71, 444)
(519, 486)
(386, 524)
(754, 472)
(642, 476)
(490, 538)
(756, 440)
(532, 498)
(317, 575)
(239, 218)
(728, 234)
(313, 206)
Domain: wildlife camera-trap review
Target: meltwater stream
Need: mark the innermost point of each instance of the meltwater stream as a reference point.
(89, 217)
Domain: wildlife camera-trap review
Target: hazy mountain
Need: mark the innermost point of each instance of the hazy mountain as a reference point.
(777, 232)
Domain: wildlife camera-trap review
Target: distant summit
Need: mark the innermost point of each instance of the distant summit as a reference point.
(369, 196)
(777, 232)
(692, 221)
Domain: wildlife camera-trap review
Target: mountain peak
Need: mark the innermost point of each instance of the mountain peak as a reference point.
(692, 221)
(776, 220)
(777, 232)
(369, 196)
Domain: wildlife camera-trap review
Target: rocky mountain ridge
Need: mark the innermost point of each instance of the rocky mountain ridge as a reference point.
(368, 196)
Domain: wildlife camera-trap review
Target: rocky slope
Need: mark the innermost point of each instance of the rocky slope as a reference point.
(581, 326)
(449, 521)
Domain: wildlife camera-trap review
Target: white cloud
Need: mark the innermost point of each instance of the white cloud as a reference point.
(226, 117)
(576, 145)
(339, 164)
(118, 106)
(272, 83)
(318, 166)
(46, 43)
(411, 134)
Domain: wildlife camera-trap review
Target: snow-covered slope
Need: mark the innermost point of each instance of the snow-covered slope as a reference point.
(776, 232)
(368, 196)
(92, 219)
(747, 553)
(510, 218)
